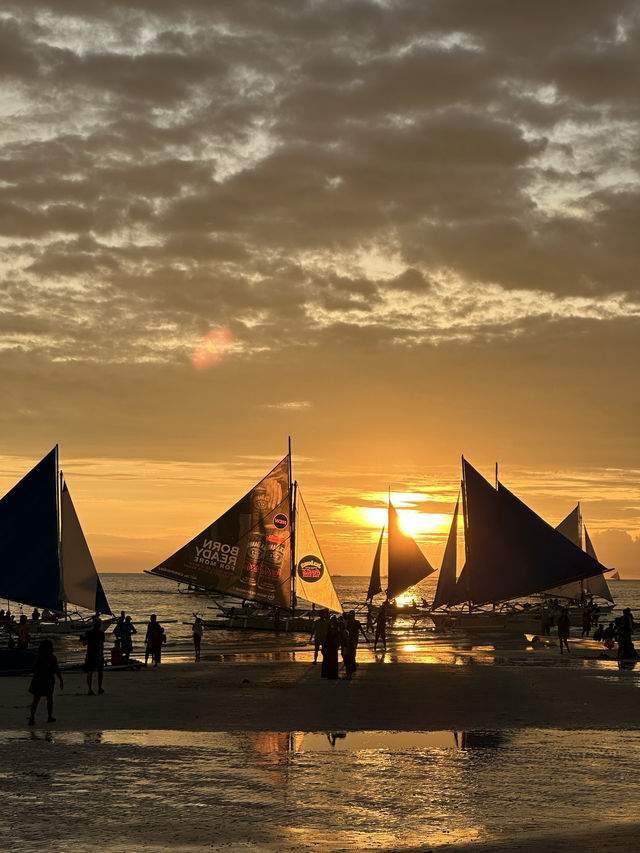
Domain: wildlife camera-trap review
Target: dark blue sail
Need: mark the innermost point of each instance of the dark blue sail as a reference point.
(29, 564)
(511, 551)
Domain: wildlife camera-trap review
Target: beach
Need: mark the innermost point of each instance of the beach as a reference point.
(267, 756)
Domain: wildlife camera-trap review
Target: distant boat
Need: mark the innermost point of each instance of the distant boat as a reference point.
(573, 528)
(254, 552)
(45, 561)
(616, 576)
(510, 552)
(407, 565)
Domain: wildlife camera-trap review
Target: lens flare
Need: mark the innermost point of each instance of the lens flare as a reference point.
(212, 348)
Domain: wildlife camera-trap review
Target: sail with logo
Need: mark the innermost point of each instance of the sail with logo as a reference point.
(247, 552)
(313, 581)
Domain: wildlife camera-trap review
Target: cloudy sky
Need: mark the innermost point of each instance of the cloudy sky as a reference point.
(398, 231)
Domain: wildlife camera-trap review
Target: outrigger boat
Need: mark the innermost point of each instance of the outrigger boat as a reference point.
(511, 553)
(264, 551)
(406, 566)
(45, 561)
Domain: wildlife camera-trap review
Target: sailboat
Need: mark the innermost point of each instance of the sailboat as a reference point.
(510, 553)
(45, 561)
(262, 550)
(574, 529)
(407, 565)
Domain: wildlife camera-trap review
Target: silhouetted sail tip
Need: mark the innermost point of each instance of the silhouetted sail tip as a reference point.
(407, 563)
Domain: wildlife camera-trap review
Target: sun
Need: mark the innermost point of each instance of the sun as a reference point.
(420, 525)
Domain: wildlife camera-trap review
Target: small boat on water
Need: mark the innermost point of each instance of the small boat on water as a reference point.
(511, 553)
(45, 561)
(406, 566)
(262, 550)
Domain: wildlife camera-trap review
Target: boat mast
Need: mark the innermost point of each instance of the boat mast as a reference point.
(59, 481)
(292, 540)
(465, 518)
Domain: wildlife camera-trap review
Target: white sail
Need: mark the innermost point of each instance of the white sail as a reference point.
(313, 581)
(79, 581)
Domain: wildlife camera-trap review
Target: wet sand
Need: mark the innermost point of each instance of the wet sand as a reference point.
(281, 696)
(71, 784)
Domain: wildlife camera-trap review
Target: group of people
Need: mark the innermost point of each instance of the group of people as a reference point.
(46, 668)
(620, 631)
(333, 634)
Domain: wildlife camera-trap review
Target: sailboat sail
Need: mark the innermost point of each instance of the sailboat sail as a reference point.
(29, 560)
(246, 552)
(79, 581)
(41, 565)
(511, 551)
(407, 563)
(447, 579)
(573, 528)
(375, 586)
(596, 585)
(313, 581)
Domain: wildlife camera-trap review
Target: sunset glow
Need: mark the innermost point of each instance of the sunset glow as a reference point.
(212, 348)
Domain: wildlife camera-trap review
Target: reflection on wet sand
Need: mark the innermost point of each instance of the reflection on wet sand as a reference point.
(329, 790)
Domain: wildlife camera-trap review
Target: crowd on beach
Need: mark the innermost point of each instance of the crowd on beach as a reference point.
(332, 636)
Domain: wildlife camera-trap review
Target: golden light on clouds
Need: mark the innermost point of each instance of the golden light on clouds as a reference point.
(212, 348)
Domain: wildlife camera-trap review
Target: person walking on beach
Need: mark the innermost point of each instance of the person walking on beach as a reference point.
(330, 650)
(354, 629)
(626, 649)
(45, 671)
(94, 656)
(197, 630)
(564, 628)
(154, 640)
(586, 622)
(381, 629)
(319, 633)
(127, 629)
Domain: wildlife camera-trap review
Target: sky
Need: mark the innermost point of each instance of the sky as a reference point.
(397, 231)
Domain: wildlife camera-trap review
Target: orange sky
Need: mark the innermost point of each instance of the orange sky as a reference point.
(397, 232)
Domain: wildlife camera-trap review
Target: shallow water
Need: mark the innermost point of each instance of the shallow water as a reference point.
(324, 791)
(143, 594)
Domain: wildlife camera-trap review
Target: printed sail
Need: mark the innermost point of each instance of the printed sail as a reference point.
(446, 588)
(29, 565)
(247, 551)
(375, 586)
(313, 581)
(407, 563)
(511, 551)
(79, 581)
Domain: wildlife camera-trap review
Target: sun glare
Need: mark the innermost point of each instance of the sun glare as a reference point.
(415, 523)
(211, 349)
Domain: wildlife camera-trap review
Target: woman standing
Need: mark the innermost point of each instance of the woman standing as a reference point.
(330, 650)
(564, 624)
(45, 670)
